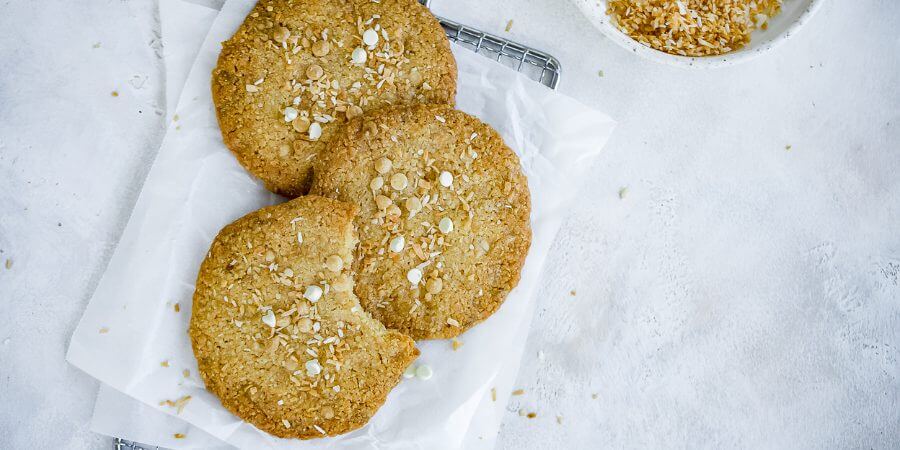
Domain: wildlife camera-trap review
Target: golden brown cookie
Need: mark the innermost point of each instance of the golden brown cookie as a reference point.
(444, 216)
(279, 335)
(296, 70)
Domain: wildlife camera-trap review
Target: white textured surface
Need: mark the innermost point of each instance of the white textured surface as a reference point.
(740, 295)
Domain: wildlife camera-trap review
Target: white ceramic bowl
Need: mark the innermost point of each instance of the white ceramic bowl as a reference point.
(794, 13)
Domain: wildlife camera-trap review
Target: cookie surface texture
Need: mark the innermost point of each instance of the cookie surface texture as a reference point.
(296, 70)
(444, 216)
(279, 335)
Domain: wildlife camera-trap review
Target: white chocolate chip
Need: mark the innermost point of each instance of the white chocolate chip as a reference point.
(315, 131)
(424, 372)
(376, 183)
(370, 37)
(434, 286)
(251, 88)
(320, 48)
(301, 125)
(383, 165)
(399, 181)
(359, 56)
(285, 422)
(342, 284)
(304, 324)
(414, 276)
(290, 113)
(353, 111)
(413, 204)
(313, 368)
(334, 263)
(445, 225)
(314, 72)
(281, 34)
(446, 179)
(299, 237)
(397, 244)
(269, 319)
(313, 293)
(382, 202)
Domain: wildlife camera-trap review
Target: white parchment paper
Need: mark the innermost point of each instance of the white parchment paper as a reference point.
(184, 25)
(196, 186)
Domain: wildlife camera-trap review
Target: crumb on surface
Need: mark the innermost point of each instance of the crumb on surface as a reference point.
(179, 436)
(600, 73)
(177, 404)
(114, 93)
(164, 363)
(531, 415)
(8, 264)
(623, 191)
(456, 344)
(572, 292)
(494, 394)
(787, 147)
(594, 396)
(104, 330)
(518, 392)
(559, 419)
(509, 25)
(177, 307)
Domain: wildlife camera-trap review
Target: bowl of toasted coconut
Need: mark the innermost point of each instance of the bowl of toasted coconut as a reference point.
(699, 33)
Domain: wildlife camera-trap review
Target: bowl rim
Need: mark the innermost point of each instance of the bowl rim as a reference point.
(601, 21)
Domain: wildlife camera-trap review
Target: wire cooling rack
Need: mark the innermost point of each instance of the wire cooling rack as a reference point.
(122, 444)
(534, 64)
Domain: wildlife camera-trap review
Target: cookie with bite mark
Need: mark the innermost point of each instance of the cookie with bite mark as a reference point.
(279, 336)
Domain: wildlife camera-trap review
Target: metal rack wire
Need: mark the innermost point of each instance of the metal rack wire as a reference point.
(122, 444)
(534, 64)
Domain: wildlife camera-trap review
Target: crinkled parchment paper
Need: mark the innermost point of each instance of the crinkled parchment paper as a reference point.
(195, 187)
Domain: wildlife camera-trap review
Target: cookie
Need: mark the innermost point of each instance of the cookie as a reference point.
(296, 70)
(444, 216)
(279, 335)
